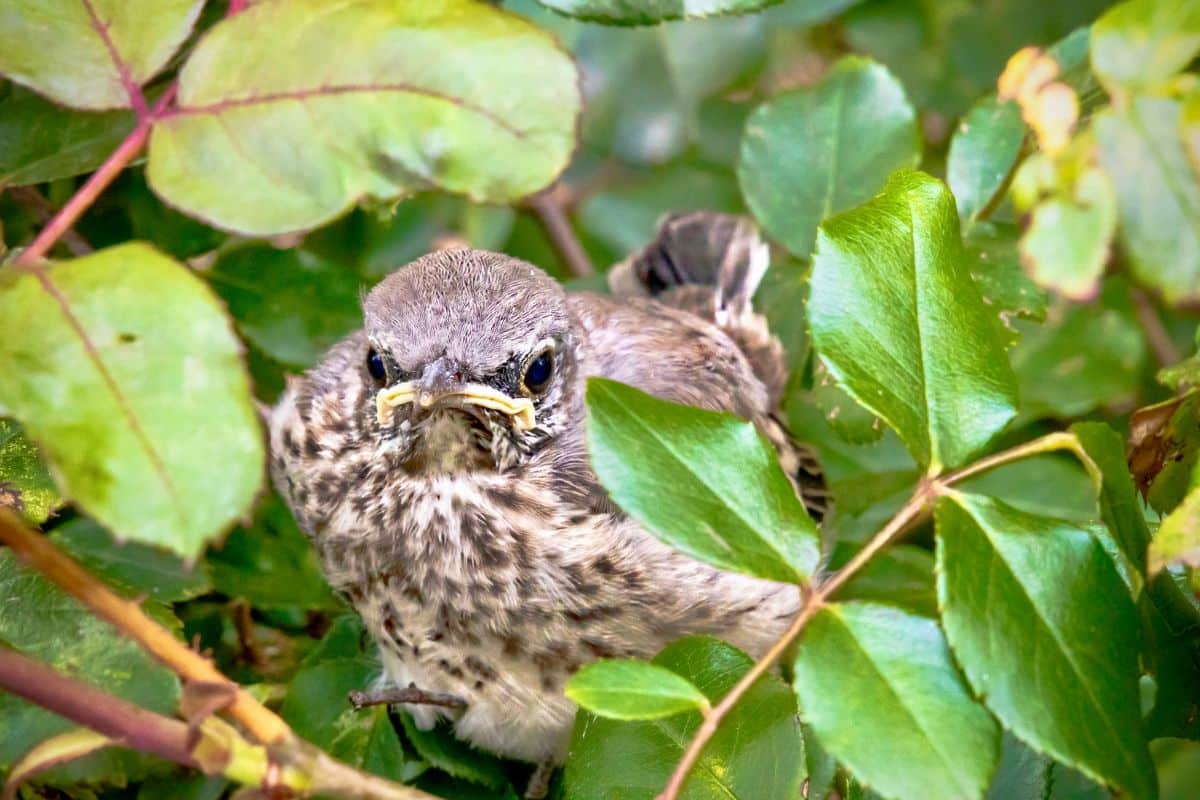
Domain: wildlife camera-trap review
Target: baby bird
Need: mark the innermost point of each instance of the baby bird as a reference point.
(438, 463)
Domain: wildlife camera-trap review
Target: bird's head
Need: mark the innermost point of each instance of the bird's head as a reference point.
(473, 361)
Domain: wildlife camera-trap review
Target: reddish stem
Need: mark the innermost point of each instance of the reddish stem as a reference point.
(87, 194)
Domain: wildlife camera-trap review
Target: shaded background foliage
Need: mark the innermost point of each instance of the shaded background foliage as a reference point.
(794, 114)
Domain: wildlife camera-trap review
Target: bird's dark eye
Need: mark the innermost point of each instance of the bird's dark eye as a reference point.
(375, 367)
(538, 373)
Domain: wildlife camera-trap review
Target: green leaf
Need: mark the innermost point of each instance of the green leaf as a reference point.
(1144, 42)
(856, 126)
(46, 624)
(1047, 634)
(292, 304)
(1067, 243)
(1157, 192)
(1178, 763)
(900, 576)
(899, 322)
(83, 54)
(705, 483)
(1024, 774)
(125, 370)
(861, 666)
(984, 150)
(649, 12)
(367, 739)
(756, 752)
(996, 267)
(270, 564)
(442, 749)
(1119, 503)
(25, 483)
(1189, 121)
(139, 569)
(269, 139)
(629, 689)
(1178, 537)
(41, 142)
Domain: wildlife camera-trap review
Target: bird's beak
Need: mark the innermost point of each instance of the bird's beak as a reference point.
(520, 409)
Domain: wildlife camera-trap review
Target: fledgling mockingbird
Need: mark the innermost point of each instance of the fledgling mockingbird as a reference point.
(437, 460)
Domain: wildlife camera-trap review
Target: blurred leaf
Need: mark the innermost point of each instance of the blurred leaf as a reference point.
(150, 219)
(46, 624)
(1144, 42)
(801, 13)
(1068, 240)
(942, 381)
(850, 420)
(422, 96)
(81, 54)
(1178, 763)
(781, 298)
(1046, 633)
(367, 739)
(757, 751)
(1025, 774)
(40, 141)
(648, 12)
(126, 371)
(1164, 449)
(137, 568)
(1082, 358)
(1190, 129)
(1178, 537)
(628, 689)
(270, 563)
(1157, 194)
(983, 152)
(626, 216)
(61, 749)
(901, 576)
(453, 756)
(992, 252)
(705, 483)
(292, 304)
(25, 483)
(857, 128)
(183, 787)
(861, 665)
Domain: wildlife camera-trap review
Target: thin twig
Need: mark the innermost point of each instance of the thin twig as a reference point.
(549, 208)
(121, 721)
(82, 200)
(813, 602)
(409, 694)
(1152, 327)
(43, 212)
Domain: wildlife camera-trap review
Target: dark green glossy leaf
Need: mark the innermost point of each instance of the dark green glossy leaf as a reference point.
(1158, 193)
(856, 126)
(133, 419)
(293, 305)
(25, 483)
(421, 96)
(1047, 634)
(1119, 503)
(705, 483)
(1142, 42)
(649, 12)
(983, 152)
(901, 576)
(270, 563)
(367, 739)
(756, 753)
(628, 689)
(929, 359)
(46, 624)
(1024, 774)
(137, 568)
(40, 141)
(83, 54)
(861, 666)
(442, 749)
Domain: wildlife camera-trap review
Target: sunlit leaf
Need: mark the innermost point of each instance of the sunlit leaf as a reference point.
(982, 154)
(1141, 42)
(996, 267)
(629, 689)
(1178, 537)
(1047, 634)
(25, 483)
(815, 152)
(757, 751)
(268, 139)
(124, 368)
(705, 483)
(861, 666)
(1158, 193)
(1067, 243)
(84, 54)
(928, 359)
